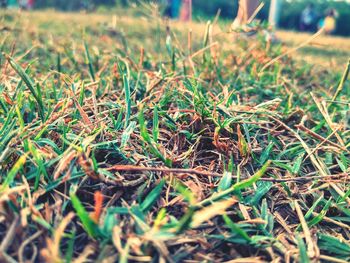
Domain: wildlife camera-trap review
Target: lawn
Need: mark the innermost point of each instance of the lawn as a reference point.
(324, 51)
(137, 139)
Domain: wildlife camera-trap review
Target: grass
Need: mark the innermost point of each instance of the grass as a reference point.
(129, 139)
(327, 51)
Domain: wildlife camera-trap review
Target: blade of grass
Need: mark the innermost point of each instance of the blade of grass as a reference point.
(236, 229)
(342, 82)
(152, 197)
(29, 83)
(302, 250)
(238, 186)
(88, 223)
(127, 100)
(13, 172)
(89, 62)
(155, 124)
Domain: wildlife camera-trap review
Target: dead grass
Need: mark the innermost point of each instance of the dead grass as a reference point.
(128, 139)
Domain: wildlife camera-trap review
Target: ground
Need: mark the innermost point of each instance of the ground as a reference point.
(324, 51)
(135, 139)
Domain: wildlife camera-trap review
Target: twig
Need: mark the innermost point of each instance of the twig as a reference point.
(306, 230)
(292, 50)
(319, 137)
(133, 168)
(324, 111)
(332, 221)
(25, 243)
(203, 50)
(313, 159)
(332, 259)
(160, 169)
(10, 235)
(340, 192)
(255, 13)
(342, 82)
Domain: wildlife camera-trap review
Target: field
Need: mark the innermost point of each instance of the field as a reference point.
(129, 139)
(325, 51)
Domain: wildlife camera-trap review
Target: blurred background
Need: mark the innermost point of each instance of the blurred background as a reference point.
(289, 15)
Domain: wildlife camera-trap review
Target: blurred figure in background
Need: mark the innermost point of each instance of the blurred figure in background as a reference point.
(26, 4)
(30, 4)
(186, 11)
(22, 4)
(246, 9)
(173, 9)
(308, 18)
(3, 3)
(329, 22)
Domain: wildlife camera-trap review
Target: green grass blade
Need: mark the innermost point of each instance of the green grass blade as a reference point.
(302, 250)
(236, 229)
(89, 62)
(155, 124)
(238, 186)
(127, 133)
(13, 172)
(152, 197)
(225, 182)
(89, 225)
(127, 100)
(29, 83)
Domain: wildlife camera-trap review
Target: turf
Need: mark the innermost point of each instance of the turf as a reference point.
(133, 139)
